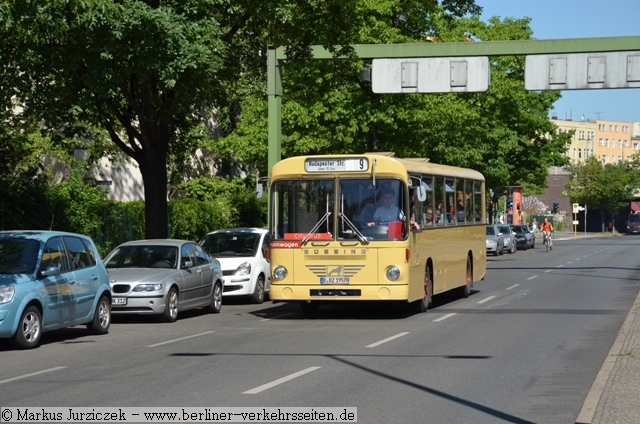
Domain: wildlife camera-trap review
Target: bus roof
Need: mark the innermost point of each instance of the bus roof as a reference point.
(386, 163)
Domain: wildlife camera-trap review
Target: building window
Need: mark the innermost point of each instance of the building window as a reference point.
(616, 128)
(604, 159)
(610, 128)
(619, 159)
(579, 153)
(635, 146)
(601, 142)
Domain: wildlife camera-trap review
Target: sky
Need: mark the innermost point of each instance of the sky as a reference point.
(554, 19)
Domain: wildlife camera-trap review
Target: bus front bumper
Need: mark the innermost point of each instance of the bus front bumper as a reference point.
(286, 293)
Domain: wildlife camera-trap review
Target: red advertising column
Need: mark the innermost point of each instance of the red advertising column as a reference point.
(518, 218)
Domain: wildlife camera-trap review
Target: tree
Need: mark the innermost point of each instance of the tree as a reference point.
(606, 187)
(144, 70)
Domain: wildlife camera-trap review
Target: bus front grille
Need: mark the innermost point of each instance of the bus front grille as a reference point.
(334, 293)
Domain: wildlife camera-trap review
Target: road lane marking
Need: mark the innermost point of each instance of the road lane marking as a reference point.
(276, 317)
(512, 287)
(532, 277)
(31, 374)
(577, 259)
(444, 317)
(280, 381)
(181, 338)
(388, 339)
(548, 270)
(559, 266)
(487, 299)
(570, 262)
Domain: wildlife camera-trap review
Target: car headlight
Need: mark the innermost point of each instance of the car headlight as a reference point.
(393, 273)
(243, 269)
(147, 287)
(280, 272)
(6, 294)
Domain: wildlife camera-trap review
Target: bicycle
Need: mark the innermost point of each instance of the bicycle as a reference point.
(546, 239)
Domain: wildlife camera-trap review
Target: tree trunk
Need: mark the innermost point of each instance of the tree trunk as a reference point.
(153, 168)
(602, 219)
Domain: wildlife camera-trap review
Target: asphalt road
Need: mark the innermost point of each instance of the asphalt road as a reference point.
(524, 347)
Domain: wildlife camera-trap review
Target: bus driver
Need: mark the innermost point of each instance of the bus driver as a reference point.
(388, 211)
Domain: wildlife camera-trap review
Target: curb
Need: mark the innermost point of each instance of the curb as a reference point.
(591, 402)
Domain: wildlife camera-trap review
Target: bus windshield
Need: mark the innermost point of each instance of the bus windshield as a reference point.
(354, 208)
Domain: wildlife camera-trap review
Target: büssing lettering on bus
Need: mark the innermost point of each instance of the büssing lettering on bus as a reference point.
(335, 251)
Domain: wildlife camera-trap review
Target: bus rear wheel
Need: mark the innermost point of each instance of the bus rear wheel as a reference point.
(423, 304)
(465, 290)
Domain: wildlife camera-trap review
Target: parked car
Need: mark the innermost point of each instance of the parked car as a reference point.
(242, 253)
(495, 241)
(633, 223)
(163, 277)
(524, 237)
(50, 280)
(509, 238)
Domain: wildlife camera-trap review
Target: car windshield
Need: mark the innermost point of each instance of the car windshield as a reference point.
(517, 230)
(231, 244)
(504, 230)
(491, 231)
(143, 256)
(635, 218)
(18, 255)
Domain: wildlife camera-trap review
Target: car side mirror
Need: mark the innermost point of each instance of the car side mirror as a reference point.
(49, 271)
(259, 190)
(187, 264)
(421, 193)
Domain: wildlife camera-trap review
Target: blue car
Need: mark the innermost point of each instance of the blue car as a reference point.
(50, 280)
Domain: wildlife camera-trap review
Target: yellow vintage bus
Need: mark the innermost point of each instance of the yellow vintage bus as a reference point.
(374, 227)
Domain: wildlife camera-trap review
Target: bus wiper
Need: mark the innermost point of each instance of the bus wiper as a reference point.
(315, 228)
(353, 228)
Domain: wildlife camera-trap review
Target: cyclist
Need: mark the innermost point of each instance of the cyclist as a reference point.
(547, 229)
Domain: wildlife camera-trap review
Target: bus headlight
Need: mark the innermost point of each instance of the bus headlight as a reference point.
(393, 273)
(280, 272)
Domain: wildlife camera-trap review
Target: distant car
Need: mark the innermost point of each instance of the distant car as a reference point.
(633, 223)
(242, 253)
(509, 238)
(524, 237)
(50, 280)
(163, 277)
(495, 241)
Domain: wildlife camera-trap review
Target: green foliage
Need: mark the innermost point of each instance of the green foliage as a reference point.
(76, 204)
(191, 219)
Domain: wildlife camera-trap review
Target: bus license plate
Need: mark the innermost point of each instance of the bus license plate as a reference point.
(119, 301)
(334, 280)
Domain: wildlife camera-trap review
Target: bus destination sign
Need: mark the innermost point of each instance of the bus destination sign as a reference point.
(332, 165)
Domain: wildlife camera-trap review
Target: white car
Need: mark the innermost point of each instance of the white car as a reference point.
(242, 253)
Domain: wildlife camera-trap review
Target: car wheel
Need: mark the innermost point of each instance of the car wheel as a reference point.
(29, 330)
(216, 299)
(258, 293)
(513, 248)
(101, 318)
(309, 306)
(171, 306)
(423, 304)
(465, 290)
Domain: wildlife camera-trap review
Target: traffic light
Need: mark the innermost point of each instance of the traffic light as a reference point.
(509, 203)
(518, 206)
(555, 207)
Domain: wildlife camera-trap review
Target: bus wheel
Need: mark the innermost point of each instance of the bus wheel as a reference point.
(423, 304)
(309, 306)
(465, 290)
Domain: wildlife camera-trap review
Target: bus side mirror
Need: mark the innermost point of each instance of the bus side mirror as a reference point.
(421, 193)
(259, 190)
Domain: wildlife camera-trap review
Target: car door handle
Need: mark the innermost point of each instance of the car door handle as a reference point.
(94, 277)
(72, 282)
(199, 271)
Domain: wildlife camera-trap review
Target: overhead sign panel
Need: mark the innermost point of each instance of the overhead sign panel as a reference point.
(430, 75)
(582, 71)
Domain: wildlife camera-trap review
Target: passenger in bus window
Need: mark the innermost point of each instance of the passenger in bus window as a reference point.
(429, 217)
(388, 211)
(440, 214)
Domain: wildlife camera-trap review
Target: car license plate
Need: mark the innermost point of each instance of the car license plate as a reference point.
(334, 280)
(119, 301)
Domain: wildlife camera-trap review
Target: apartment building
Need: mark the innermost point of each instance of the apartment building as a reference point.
(613, 141)
(582, 142)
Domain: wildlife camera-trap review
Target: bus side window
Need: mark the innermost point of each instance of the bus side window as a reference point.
(427, 206)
